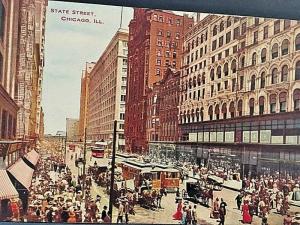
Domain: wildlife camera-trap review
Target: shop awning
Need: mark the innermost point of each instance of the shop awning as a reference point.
(32, 157)
(7, 189)
(22, 172)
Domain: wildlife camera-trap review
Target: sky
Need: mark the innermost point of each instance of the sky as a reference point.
(68, 46)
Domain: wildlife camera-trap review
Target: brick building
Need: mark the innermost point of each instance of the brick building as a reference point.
(155, 43)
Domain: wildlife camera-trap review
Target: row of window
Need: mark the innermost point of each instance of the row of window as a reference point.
(168, 44)
(162, 19)
(168, 34)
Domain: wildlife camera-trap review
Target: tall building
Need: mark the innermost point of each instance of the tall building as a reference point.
(107, 91)
(155, 43)
(240, 93)
(30, 62)
(85, 78)
(72, 129)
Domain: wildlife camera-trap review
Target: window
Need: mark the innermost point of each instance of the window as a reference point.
(213, 59)
(155, 17)
(243, 45)
(233, 81)
(262, 80)
(177, 35)
(282, 102)
(275, 51)
(284, 73)
(219, 86)
(168, 34)
(211, 90)
(178, 22)
(240, 107)
(274, 76)
(157, 71)
(159, 33)
(241, 82)
(214, 45)
(167, 53)
(174, 55)
(215, 30)
(121, 136)
(256, 21)
(297, 71)
(254, 59)
(158, 52)
(234, 49)
(233, 66)
(272, 103)
(286, 24)
(297, 42)
(226, 69)
(251, 106)
(226, 52)
(221, 41)
(276, 27)
(219, 71)
(122, 116)
(197, 41)
(4, 124)
(255, 37)
(226, 84)
(261, 103)
(228, 22)
(210, 112)
(228, 37)
(252, 85)
(159, 42)
(121, 126)
(161, 19)
(242, 61)
(2, 20)
(285, 47)
(236, 33)
(212, 75)
(220, 56)
(296, 97)
(231, 109)
(221, 26)
(263, 55)
(244, 27)
(158, 62)
(217, 112)
(266, 32)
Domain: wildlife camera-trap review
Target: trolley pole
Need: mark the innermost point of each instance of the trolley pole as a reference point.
(112, 177)
(84, 163)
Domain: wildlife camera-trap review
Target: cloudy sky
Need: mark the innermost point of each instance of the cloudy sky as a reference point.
(68, 46)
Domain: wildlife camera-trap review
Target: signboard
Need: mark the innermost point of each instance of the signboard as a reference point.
(192, 136)
(213, 136)
(254, 136)
(206, 136)
(200, 136)
(246, 136)
(220, 136)
(229, 136)
(265, 136)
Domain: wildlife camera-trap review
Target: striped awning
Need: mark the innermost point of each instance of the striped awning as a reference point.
(32, 157)
(22, 172)
(7, 189)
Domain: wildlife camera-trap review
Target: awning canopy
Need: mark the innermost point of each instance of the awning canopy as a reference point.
(7, 189)
(22, 172)
(32, 157)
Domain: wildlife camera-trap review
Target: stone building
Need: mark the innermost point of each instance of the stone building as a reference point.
(155, 43)
(107, 91)
(240, 92)
(72, 129)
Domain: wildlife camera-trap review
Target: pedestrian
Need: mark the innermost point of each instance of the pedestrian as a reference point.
(264, 221)
(287, 220)
(183, 218)
(194, 215)
(238, 199)
(72, 218)
(50, 215)
(222, 215)
(64, 215)
(189, 215)
(223, 205)
(104, 214)
(120, 212)
(107, 218)
(126, 211)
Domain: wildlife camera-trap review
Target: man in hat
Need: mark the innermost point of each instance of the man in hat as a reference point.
(104, 214)
(126, 210)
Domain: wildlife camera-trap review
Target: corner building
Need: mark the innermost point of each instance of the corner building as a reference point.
(240, 94)
(155, 43)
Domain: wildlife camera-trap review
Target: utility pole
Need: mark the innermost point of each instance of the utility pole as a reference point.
(84, 163)
(113, 162)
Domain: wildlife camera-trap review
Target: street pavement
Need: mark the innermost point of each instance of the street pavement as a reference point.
(164, 215)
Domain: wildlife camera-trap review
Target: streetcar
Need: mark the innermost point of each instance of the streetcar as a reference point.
(98, 149)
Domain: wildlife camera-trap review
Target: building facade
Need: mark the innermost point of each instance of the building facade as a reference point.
(107, 91)
(84, 93)
(155, 43)
(72, 129)
(240, 91)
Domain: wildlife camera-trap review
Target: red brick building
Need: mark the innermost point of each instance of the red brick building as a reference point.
(155, 43)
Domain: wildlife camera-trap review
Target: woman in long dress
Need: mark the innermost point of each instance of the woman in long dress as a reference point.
(178, 214)
(246, 213)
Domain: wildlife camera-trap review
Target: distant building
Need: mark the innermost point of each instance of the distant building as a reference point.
(107, 91)
(72, 131)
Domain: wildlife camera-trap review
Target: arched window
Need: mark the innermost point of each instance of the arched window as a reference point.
(201, 114)
(243, 61)
(228, 22)
(282, 101)
(261, 102)
(285, 47)
(252, 85)
(254, 59)
(197, 115)
(194, 81)
(297, 42)
(217, 112)
(233, 66)
(226, 69)
(203, 78)
(199, 80)
(215, 30)
(197, 41)
(202, 38)
(189, 47)
(224, 111)
(274, 76)
(193, 44)
(240, 107)
(221, 26)
(232, 109)
(284, 73)
(190, 83)
(296, 98)
(212, 74)
(251, 106)
(188, 116)
(275, 51)
(210, 112)
(263, 55)
(272, 103)
(219, 71)
(297, 71)
(193, 116)
(263, 80)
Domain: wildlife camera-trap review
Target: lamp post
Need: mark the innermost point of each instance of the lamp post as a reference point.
(84, 163)
(113, 161)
